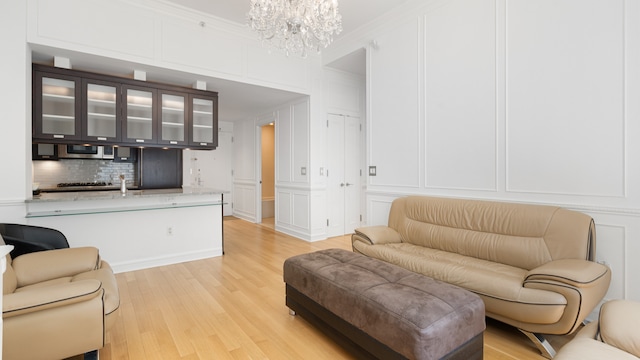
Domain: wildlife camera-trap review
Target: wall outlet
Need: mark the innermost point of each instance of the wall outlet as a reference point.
(170, 230)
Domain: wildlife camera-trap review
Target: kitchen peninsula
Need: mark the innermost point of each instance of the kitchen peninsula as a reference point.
(138, 229)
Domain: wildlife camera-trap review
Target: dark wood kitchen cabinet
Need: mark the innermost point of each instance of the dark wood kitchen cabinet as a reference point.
(172, 124)
(101, 119)
(56, 106)
(203, 119)
(140, 115)
(72, 107)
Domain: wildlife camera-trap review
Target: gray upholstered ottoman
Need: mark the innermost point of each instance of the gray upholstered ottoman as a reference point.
(380, 310)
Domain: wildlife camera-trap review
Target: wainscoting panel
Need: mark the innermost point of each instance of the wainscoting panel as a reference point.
(301, 210)
(394, 115)
(293, 212)
(378, 208)
(284, 209)
(460, 95)
(610, 249)
(244, 205)
(565, 97)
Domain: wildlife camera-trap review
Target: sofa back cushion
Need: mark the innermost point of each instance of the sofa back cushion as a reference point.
(520, 235)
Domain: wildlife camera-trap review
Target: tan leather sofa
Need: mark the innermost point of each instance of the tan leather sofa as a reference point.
(57, 303)
(531, 264)
(614, 336)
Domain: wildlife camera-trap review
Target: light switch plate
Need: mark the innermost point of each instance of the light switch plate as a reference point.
(372, 171)
(303, 170)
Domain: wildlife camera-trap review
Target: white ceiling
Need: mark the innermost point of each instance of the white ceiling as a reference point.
(237, 101)
(354, 13)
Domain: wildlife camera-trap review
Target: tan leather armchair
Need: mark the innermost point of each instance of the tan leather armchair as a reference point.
(57, 303)
(614, 336)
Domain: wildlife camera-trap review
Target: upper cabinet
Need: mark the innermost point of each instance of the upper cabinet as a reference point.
(101, 114)
(173, 118)
(140, 115)
(71, 106)
(56, 106)
(204, 121)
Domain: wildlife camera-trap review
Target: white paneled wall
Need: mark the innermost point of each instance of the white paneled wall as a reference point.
(460, 154)
(565, 97)
(292, 189)
(513, 100)
(395, 128)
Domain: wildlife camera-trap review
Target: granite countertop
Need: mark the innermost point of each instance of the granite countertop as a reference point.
(115, 194)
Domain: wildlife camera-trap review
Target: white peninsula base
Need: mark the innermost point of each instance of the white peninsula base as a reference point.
(141, 229)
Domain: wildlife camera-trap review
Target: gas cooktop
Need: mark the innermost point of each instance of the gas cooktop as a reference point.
(100, 183)
(83, 184)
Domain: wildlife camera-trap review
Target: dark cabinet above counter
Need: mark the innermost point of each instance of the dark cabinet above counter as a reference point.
(71, 107)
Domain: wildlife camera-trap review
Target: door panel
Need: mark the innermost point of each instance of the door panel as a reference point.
(343, 174)
(335, 175)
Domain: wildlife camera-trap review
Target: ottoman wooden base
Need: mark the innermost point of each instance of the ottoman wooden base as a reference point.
(379, 310)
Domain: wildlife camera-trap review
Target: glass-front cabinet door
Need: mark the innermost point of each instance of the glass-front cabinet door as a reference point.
(101, 111)
(204, 121)
(173, 118)
(140, 115)
(56, 106)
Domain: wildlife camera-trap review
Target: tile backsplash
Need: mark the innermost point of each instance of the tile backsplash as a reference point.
(50, 173)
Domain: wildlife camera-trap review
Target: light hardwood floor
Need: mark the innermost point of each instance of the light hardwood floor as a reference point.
(232, 307)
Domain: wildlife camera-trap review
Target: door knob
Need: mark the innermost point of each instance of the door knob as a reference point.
(341, 184)
(349, 184)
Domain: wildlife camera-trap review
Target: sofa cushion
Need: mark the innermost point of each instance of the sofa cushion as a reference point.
(619, 321)
(485, 278)
(519, 235)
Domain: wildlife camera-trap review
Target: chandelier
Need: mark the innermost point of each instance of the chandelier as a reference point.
(295, 25)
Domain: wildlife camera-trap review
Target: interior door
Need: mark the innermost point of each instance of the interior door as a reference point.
(343, 174)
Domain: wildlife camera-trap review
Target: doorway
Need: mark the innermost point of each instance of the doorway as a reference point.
(267, 182)
(343, 174)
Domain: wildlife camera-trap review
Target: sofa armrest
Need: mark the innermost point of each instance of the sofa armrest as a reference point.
(48, 297)
(52, 264)
(574, 272)
(374, 235)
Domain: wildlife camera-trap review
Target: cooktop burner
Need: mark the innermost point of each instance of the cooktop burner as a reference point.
(99, 183)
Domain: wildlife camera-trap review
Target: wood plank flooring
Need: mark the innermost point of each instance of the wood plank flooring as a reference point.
(232, 307)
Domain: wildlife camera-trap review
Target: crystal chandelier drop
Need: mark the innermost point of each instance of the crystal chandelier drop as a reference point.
(295, 25)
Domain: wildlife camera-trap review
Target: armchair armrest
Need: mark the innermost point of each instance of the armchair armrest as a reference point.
(47, 297)
(573, 272)
(52, 264)
(619, 321)
(374, 235)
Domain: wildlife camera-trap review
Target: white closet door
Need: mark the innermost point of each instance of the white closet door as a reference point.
(343, 174)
